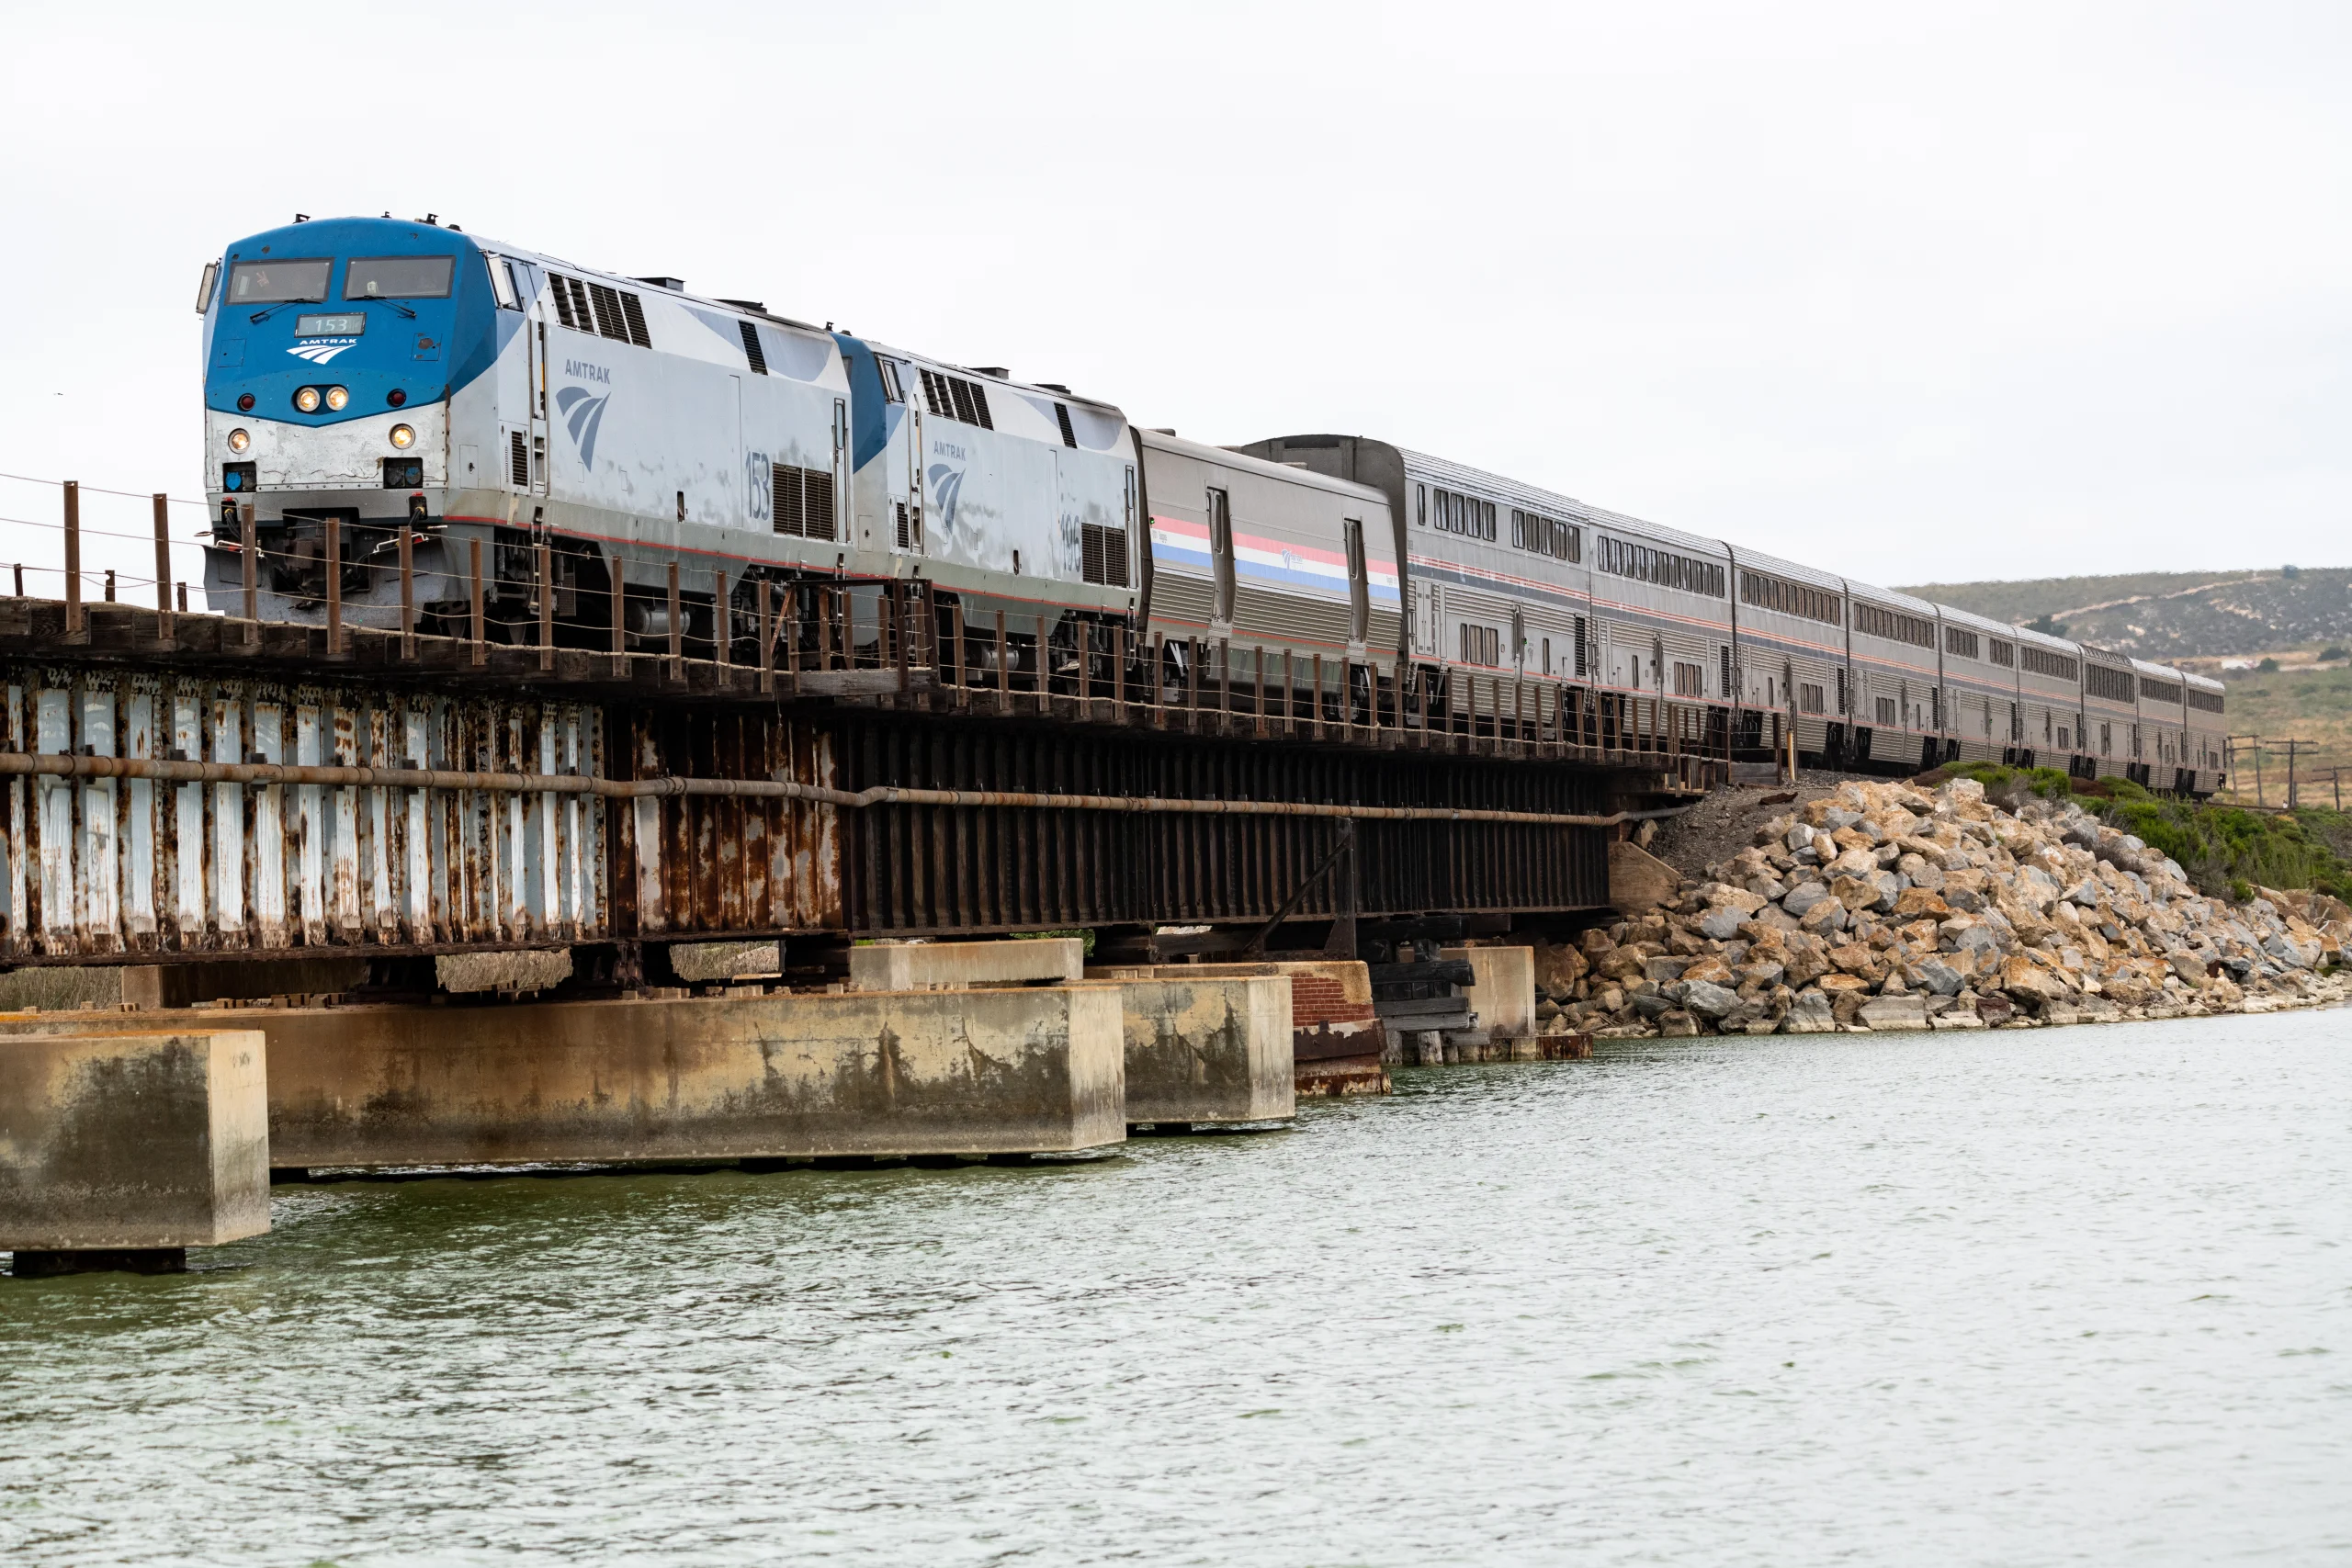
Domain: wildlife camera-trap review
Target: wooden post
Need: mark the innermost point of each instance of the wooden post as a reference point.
(677, 628)
(617, 612)
(722, 622)
(546, 567)
(955, 651)
(75, 628)
(897, 633)
(768, 643)
(408, 589)
(335, 588)
(791, 632)
(250, 556)
(481, 651)
(1157, 699)
(162, 569)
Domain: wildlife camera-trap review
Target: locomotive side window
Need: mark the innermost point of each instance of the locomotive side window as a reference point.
(891, 390)
(398, 277)
(280, 282)
(501, 281)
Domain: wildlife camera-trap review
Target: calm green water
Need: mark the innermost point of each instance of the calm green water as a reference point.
(2075, 1296)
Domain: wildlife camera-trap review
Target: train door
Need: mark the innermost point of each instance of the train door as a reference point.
(1517, 659)
(911, 516)
(843, 524)
(1220, 510)
(1359, 583)
(538, 414)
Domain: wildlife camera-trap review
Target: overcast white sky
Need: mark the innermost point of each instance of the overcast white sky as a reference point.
(1915, 292)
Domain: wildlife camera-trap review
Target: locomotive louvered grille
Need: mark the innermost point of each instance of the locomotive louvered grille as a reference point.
(1061, 417)
(606, 302)
(634, 313)
(803, 502)
(518, 460)
(752, 348)
(819, 486)
(1105, 555)
(952, 397)
(563, 291)
(906, 540)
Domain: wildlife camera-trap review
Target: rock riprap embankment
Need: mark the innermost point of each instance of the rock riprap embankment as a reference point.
(1887, 906)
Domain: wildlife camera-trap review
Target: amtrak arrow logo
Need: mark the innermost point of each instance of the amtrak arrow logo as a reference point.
(947, 486)
(582, 416)
(318, 351)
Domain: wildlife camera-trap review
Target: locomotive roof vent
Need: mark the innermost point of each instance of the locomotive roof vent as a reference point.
(999, 371)
(679, 284)
(1057, 387)
(758, 305)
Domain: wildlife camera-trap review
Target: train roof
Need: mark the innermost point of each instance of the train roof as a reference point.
(1229, 457)
(1975, 621)
(1892, 599)
(2201, 682)
(1527, 497)
(2161, 672)
(2043, 639)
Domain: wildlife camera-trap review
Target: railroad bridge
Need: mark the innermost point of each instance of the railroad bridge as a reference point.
(206, 788)
(859, 760)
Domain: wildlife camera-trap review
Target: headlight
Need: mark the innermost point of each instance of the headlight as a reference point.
(404, 437)
(337, 397)
(306, 400)
(239, 440)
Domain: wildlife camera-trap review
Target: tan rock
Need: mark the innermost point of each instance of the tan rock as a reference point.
(1913, 903)
(1639, 881)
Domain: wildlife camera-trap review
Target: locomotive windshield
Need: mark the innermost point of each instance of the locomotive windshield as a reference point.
(398, 277)
(278, 282)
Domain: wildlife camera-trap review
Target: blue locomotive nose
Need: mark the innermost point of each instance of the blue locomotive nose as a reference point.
(340, 319)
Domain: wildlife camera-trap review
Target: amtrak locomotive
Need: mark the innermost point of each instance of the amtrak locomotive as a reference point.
(394, 376)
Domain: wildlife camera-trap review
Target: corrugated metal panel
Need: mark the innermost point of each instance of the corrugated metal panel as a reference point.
(103, 866)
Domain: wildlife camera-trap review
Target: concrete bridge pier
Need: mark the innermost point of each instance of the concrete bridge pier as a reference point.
(120, 1151)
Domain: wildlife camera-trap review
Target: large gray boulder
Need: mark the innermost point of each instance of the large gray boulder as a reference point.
(1708, 999)
(1804, 896)
(1809, 1014)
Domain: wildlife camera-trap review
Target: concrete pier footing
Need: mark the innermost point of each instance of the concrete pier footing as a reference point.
(1335, 1036)
(1204, 1051)
(1503, 997)
(784, 1076)
(121, 1150)
(921, 966)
